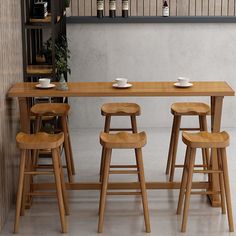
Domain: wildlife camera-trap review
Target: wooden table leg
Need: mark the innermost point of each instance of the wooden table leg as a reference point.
(24, 107)
(216, 112)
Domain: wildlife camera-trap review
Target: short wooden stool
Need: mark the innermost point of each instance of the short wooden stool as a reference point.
(122, 140)
(119, 109)
(180, 109)
(205, 140)
(60, 110)
(26, 143)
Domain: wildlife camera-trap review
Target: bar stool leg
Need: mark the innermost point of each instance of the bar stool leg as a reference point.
(188, 189)
(59, 190)
(175, 146)
(221, 181)
(70, 148)
(104, 189)
(106, 130)
(169, 160)
(227, 189)
(183, 181)
(205, 151)
(143, 190)
(63, 186)
(20, 191)
(134, 124)
(66, 148)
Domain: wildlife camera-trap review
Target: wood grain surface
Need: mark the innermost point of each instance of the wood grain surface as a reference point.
(10, 72)
(139, 89)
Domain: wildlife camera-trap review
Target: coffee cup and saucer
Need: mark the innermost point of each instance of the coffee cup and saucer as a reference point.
(183, 82)
(121, 83)
(44, 83)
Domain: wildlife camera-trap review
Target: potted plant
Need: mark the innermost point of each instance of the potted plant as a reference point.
(62, 54)
(67, 7)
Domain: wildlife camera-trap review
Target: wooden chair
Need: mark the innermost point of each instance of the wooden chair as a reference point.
(122, 140)
(119, 109)
(26, 143)
(185, 109)
(60, 110)
(219, 141)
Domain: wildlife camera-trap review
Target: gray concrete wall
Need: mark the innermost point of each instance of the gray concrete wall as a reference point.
(150, 52)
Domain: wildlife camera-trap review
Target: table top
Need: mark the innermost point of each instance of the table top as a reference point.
(139, 89)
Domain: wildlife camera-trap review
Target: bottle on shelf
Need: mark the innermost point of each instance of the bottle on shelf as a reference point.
(100, 8)
(125, 8)
(165, 9)
(112, 8)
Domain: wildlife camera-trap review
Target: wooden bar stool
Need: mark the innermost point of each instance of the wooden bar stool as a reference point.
(60, 110)
(26, 143)
(119, 109)
(205, 140)
(122, 140)
(185, 109)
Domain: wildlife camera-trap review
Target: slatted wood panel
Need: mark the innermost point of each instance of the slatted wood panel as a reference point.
(10, 72)
(154, 7)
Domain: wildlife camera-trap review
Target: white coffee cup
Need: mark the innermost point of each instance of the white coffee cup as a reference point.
(183, 81)
(44, 82)
(121, 82)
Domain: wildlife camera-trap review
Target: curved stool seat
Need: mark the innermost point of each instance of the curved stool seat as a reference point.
(60, 110)
(122, 140)
(206, 140)
(26, 143)
(178, 110)
(218, 141)
(190, 109)
(39, 140)
(120, 109)
(50, 109)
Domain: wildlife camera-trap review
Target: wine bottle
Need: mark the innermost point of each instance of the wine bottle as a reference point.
(125, 8)
(112, 8)
(165, 9)
(100, 8)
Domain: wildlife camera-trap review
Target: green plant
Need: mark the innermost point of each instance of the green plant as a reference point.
(67, 3)
(62, 54)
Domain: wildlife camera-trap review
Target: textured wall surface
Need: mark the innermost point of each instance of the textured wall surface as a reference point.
(154, 7)
(10, 72)
(150, 52)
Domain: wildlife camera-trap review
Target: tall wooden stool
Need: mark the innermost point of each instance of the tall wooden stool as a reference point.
(180, 109)
(122, 140)
(26, 143)
(119, 109)
(205, 140)
(60, 110)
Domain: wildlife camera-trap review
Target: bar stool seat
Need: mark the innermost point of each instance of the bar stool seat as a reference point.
(180, 109)
(122, 140)
(190, 109)
(60, 110)
(206, 140)
(27, 143)
(218, 141)
(120, 109)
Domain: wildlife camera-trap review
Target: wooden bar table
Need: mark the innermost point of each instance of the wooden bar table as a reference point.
(215, 90)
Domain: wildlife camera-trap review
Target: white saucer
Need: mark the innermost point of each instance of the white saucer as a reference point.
(126, 86)
(183, 86)
(42, 87)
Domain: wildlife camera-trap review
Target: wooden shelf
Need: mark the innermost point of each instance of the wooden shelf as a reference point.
(47, 19)
(39, 69)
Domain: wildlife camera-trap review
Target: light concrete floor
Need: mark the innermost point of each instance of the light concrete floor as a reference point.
(123, 214)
